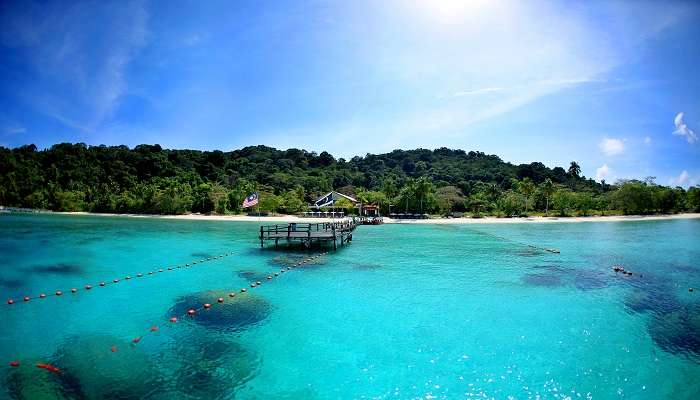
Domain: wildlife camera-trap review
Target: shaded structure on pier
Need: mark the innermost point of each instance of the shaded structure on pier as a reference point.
(306, 234)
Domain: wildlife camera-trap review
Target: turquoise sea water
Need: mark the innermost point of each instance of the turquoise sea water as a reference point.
(420, 311)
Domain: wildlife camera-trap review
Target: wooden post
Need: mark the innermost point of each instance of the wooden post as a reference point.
(261, 236)
(335, 245)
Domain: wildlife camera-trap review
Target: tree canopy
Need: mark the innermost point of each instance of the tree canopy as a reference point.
(150, 179)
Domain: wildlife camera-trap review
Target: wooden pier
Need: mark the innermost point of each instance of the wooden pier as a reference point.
(307, 234)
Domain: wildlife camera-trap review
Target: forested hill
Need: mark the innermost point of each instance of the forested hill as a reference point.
(151, 179)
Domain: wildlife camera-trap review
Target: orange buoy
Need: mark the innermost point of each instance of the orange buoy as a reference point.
(42, 296)
(27, 298)
(191, 311)
(220, 299)
(154, 328)
(14, 363)
(49, 368)
(173, 319)
(207, 306)
(88, 287)
(136, 340)
(58, 293)
(10, 301)
(114, 349)
(74, 290)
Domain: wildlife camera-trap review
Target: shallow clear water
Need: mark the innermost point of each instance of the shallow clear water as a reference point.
(403, 312)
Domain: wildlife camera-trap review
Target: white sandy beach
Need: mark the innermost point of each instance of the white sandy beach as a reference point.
(485, 220)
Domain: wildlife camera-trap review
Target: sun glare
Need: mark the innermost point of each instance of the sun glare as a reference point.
(450, 12)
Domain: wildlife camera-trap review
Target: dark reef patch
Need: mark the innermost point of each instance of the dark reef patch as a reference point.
(58, 269)
(212, 367)
(89, 240)
(288, 260)
(201, 255)
(556, 275)
(11, 283)
(677, 332)
(366, 266)
(586, 279)
(252, 276)
(652, 298)
(33, 383)
(89, 370)
(527, 251)
(543, 279)
(235, 314)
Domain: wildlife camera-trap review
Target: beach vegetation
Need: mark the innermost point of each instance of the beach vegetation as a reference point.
(152, 180)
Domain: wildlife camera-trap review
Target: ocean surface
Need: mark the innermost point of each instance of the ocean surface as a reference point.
(403, 312)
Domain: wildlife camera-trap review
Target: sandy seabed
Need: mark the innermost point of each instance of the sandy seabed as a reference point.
(485, 220)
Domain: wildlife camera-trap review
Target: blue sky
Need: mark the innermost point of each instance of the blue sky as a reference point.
(611, 85)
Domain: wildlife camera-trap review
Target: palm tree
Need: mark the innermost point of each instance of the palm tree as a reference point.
(548, 190)
(526, 187)
(493, 190)
(408, 191)
(574, 169)
(361, 195)
(423, 188)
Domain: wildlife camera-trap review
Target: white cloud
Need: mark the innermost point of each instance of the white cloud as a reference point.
(611, 146)
(683, 130)
(80, 54)
(603, 173)
(647, 141)
(13, 130)
(681, 180)
(477, 91)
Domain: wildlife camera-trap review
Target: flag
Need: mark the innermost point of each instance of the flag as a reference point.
(325, 201)
(250, 201)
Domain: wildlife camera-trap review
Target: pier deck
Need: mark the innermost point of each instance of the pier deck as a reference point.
(308, 233)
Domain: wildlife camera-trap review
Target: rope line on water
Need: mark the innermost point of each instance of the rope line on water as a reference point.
(194, 310)
(154, 272)
(550, 250)
(191, 312)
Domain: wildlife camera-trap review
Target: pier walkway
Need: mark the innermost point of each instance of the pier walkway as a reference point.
(308, 233)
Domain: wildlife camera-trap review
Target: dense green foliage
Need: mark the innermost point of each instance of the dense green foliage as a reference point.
(149, 179)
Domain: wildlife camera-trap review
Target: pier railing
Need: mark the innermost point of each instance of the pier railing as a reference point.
(307, 233)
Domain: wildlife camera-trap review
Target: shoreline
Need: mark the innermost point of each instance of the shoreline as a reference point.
(434, 221)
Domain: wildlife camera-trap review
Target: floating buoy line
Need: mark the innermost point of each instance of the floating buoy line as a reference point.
(547, 249)
(114, 281)
(191, 312)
